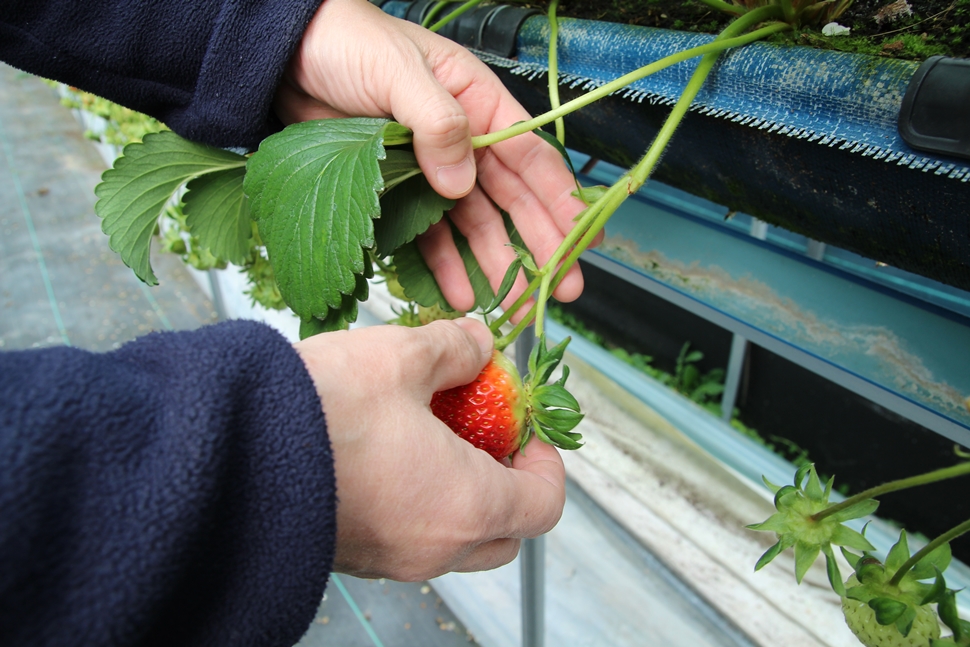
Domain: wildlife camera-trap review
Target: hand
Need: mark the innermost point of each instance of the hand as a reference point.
(414, 500)
(355, 60)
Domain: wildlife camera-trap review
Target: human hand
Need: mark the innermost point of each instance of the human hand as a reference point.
(414, 500)
(355, 60)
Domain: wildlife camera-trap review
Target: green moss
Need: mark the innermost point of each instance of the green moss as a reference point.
(935, 26)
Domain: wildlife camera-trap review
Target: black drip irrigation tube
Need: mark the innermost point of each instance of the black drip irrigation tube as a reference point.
(865, 153)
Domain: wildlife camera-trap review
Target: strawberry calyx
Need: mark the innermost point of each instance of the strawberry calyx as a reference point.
(899, 602)
(551, 412)
(797, 525)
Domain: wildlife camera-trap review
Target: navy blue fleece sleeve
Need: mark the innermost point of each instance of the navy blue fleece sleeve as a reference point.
(177, 491)
(207, 68)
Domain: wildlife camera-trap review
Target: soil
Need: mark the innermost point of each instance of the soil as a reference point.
(913, 30)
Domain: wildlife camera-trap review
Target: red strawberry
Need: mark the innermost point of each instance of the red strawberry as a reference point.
(490, 412)
(498, 412)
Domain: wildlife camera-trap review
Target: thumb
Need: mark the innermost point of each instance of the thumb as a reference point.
(442, 134)
(462, 348)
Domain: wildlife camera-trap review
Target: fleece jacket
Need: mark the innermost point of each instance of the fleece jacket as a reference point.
(208, 69)
(176, 491)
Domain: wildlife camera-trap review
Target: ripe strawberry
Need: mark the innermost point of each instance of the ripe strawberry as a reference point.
(489, 412)
(498, 412)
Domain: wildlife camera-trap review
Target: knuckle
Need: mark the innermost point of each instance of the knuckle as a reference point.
(446, 128)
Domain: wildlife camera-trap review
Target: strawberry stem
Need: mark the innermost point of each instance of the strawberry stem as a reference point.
(595, 217)
(727, 40)
(948, 536)
(959, 469)
(554, 70)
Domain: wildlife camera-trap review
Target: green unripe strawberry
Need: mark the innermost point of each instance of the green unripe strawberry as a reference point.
(394, 287)
(861, 619)
(498, 412)
(427, 314)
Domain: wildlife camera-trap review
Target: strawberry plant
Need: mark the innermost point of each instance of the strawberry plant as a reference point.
(885, 604)
(329, 200)
(327, 205)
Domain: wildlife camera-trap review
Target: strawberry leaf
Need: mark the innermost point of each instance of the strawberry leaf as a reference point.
(217, 212)
(416, 280)
(397, 166)
(590, 194)
(313, 190)
(336, 319)
(525, 258)
(419, 283)
(507, 282)
(339, 318)
(407, 210)
(134, 191)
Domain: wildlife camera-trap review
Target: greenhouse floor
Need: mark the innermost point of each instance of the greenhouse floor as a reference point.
(60, 284)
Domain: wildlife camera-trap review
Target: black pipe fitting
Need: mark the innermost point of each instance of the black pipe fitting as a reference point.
(935, 115)
(491, 28)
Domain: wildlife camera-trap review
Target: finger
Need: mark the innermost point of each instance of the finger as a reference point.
(442, 134)
(292, 105)
(535, 493)
(480, 222)
(539, 164)
(536, 224)
(438, 249)
(453, 353)
(489, 555)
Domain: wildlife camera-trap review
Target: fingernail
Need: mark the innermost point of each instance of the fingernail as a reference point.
(479, 331)
(457, 178)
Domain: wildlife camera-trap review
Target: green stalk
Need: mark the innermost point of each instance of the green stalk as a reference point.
(433, 12)
(554, 69)
(607, 89)
(949, 535)
(959, 469)
(788, 11)
(593, 221)
(725, 7)
(471, 4)
(596, 216)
